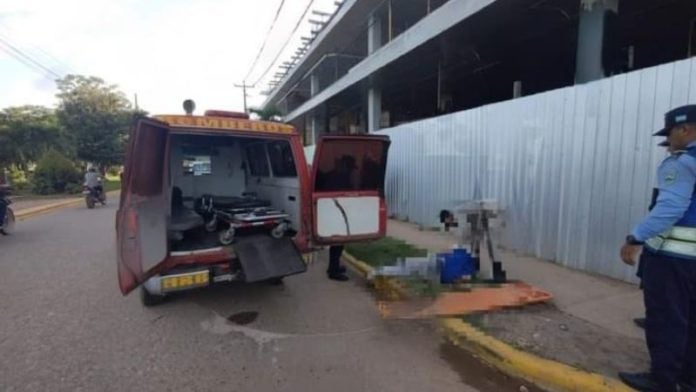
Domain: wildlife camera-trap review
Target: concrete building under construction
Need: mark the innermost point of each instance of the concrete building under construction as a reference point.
(376, 64)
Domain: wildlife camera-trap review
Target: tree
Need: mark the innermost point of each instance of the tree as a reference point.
(26, 132)
(269, 113)
(96, 115)
(55, 173)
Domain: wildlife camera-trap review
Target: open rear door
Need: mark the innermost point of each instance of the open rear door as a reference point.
(348, 188)
(141, 221)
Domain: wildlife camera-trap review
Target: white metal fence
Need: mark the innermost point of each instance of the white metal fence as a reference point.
(572, 167)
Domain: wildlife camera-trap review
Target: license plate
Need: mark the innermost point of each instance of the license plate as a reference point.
(185, 281)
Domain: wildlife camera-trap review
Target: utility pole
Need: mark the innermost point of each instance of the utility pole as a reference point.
(244, 86)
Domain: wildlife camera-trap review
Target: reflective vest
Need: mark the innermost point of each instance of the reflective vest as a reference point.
(680, 240)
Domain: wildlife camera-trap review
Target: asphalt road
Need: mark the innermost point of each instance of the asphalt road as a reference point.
(64, 326)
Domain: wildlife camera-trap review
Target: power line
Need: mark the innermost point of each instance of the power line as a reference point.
(20, 53)
(26, 62)
(45, 54)
(280, 52)
(265, 40)
(23, 61)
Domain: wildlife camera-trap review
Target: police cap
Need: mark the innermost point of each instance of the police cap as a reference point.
(675, 117)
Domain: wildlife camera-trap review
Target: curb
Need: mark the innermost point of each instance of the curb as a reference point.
(358, 265)
(34, 211)
(545, 373)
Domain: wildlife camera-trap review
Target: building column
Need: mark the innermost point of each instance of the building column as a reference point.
(374, 95)
(314, 124)
(318, 124)
(313, 84)
(592, 39)
(374, 109)
(374, 33)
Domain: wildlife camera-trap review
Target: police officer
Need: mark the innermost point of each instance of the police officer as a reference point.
(668, 238)
(640, 322)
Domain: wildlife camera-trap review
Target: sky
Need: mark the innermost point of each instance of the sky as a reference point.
(163, 51)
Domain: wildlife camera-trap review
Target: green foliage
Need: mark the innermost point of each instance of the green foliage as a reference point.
(18, 179)
(385, 251)
(55, 173)
(114, 171)
(97, 116)
(270, 113)
(26, 132)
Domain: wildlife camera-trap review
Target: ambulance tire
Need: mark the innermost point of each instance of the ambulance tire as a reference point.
(149, 300)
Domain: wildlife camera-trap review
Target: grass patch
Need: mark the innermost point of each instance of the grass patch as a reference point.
(384, 251)
(112, 185)
(26, 193)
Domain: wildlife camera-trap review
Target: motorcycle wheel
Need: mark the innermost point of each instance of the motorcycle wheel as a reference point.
(90, 202)
(9, 223)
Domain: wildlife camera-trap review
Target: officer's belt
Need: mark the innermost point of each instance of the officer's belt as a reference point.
(679, 240)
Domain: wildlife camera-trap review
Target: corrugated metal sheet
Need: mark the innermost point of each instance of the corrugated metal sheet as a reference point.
(572, 167)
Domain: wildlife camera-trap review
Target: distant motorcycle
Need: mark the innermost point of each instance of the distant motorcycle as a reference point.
(93, 196)
(8, 223)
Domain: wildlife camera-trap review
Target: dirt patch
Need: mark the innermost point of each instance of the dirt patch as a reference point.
(549, 333)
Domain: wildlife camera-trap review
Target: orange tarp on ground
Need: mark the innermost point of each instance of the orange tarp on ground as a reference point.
(482, 299)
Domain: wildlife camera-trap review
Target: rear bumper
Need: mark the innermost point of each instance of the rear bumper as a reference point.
(221, 265)
(189, 279)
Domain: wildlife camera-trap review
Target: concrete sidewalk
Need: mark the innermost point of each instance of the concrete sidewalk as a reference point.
(604, 302)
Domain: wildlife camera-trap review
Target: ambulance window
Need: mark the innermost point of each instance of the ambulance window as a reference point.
(197, 165)
(282, 161)
(351, 165)
(258, 162)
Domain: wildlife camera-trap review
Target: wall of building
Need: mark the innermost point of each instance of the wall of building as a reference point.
(573, 167)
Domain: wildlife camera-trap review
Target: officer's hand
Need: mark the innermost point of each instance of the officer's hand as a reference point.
(629, 253)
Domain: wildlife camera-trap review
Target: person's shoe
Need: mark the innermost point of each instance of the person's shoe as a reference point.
(643, 382)
(338, 276)
(341, 270)
(640, 322)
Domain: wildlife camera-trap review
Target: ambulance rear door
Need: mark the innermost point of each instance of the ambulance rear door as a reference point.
(348, 189)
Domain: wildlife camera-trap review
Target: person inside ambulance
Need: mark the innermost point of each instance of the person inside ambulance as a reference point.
(342, 177)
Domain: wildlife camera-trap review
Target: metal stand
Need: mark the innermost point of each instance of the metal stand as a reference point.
(478, 214)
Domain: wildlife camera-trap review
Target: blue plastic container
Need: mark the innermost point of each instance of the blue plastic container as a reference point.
(455, 265)
(467, 262)
(452, 268)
